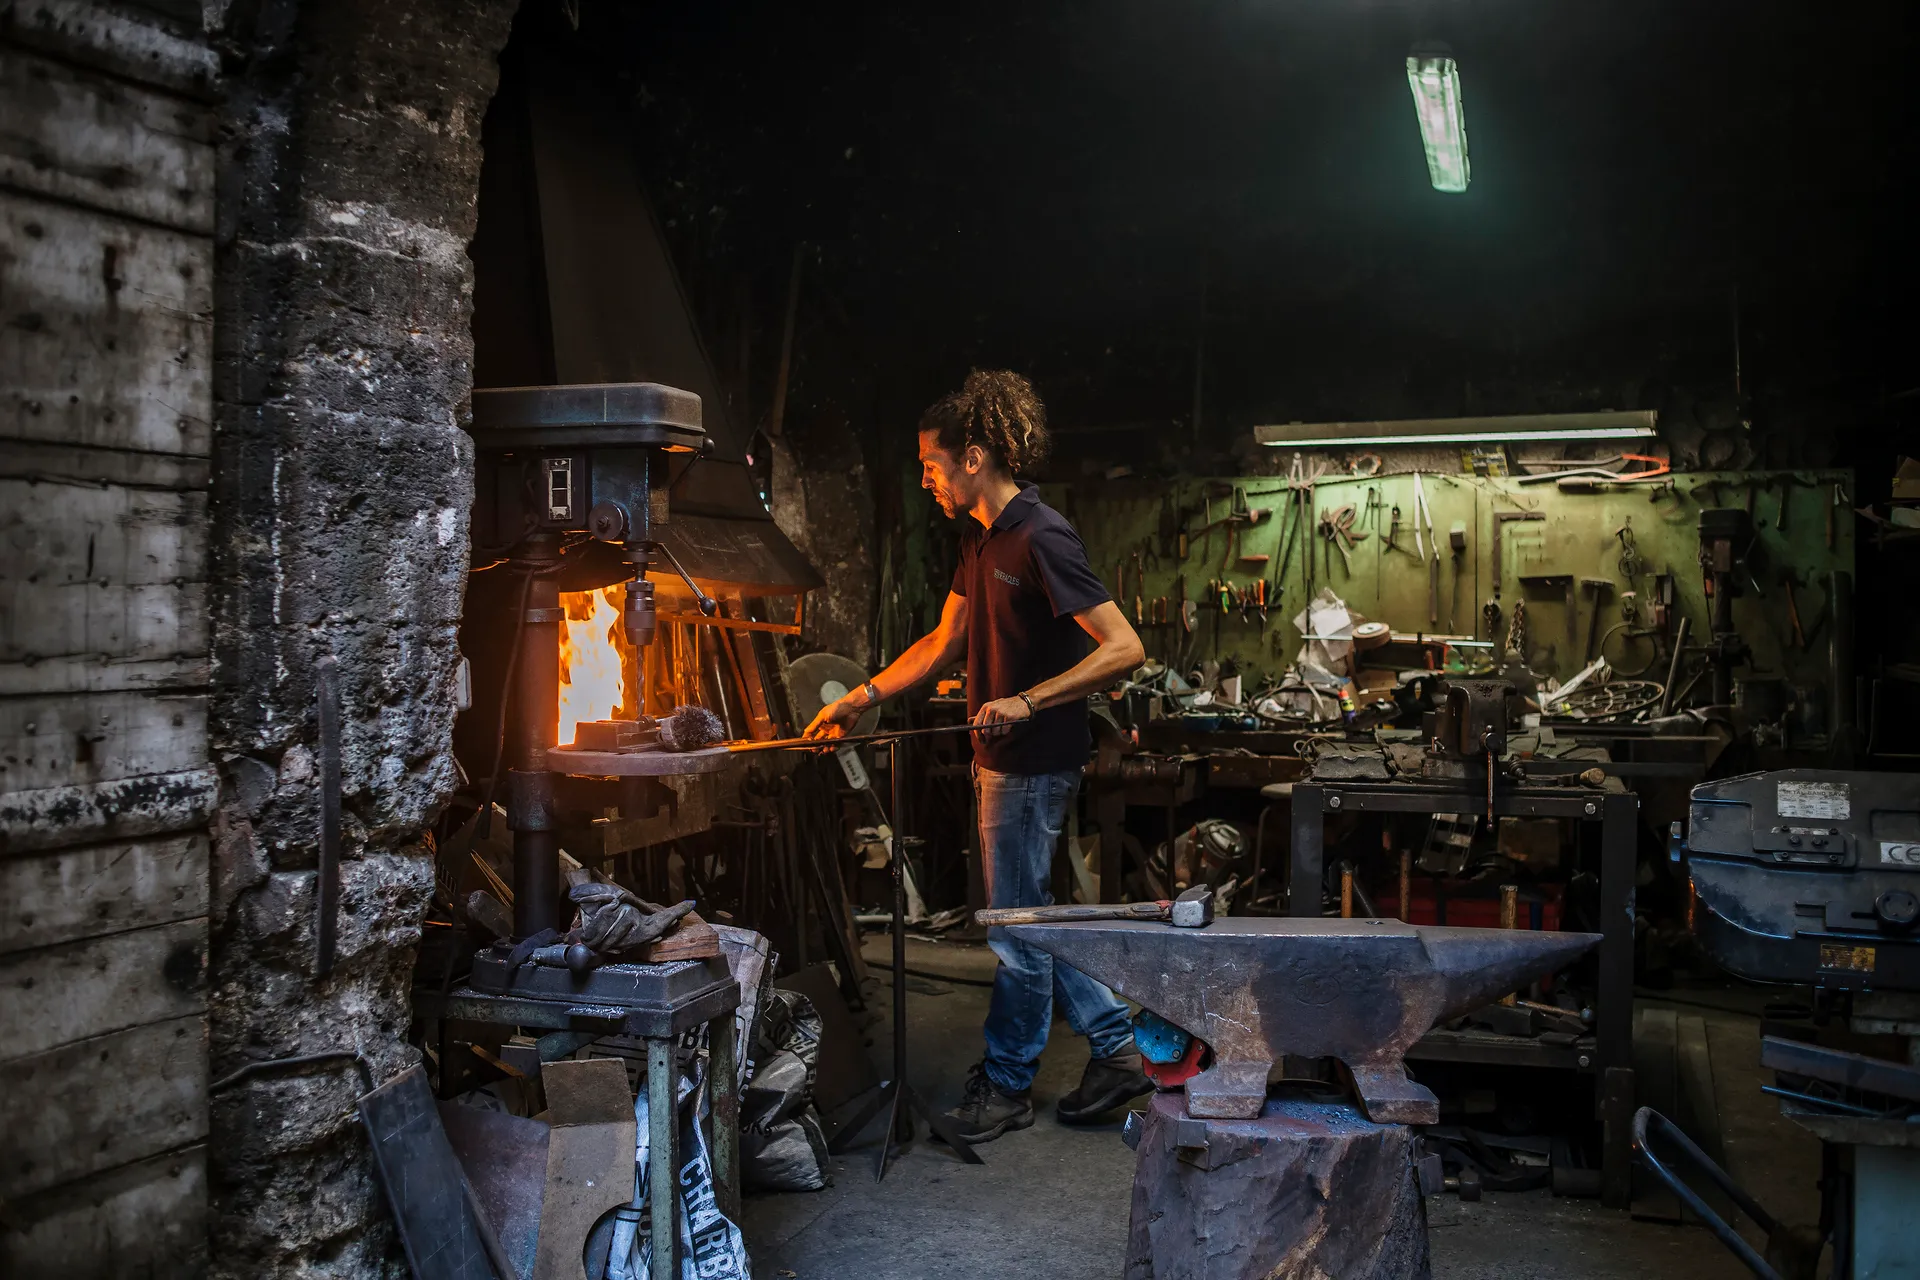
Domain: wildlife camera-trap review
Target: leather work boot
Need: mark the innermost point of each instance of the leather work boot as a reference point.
(1107, 1083)
(985, 1112)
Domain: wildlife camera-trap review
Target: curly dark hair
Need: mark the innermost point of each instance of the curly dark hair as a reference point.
(997, 410)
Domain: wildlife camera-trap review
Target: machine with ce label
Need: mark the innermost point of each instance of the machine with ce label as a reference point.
(1808, 875)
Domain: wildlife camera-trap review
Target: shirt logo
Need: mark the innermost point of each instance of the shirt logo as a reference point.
(1007, 578)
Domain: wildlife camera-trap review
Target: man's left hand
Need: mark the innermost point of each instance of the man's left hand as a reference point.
(1001, 712)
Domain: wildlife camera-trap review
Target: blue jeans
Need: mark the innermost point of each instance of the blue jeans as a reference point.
(1020, 819)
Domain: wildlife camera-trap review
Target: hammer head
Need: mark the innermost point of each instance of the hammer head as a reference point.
(1193, 909)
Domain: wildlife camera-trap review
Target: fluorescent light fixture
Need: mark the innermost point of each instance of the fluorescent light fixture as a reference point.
(1435, 79)
(1637, 424)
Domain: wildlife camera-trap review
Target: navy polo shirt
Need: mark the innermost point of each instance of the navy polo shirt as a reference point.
(1024, 579)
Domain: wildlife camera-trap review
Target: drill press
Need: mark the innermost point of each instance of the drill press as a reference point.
(558, 468)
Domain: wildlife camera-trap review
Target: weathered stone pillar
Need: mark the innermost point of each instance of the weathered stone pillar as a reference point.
(348, 184)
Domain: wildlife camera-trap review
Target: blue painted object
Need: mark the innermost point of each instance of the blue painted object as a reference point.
(1159, 1040)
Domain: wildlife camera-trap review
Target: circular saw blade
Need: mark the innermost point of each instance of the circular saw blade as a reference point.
(820, 678)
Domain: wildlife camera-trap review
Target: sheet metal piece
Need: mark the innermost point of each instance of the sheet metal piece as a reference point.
(423, 1180)
(505, 1157)
(1358, 990)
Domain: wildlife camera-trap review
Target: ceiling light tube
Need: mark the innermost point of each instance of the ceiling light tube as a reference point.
(1434, 78)
(1637, 424)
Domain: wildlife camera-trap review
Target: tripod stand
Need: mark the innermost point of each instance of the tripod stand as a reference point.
(896, 1097)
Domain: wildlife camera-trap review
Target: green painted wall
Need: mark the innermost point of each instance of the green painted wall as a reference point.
(1577, 536)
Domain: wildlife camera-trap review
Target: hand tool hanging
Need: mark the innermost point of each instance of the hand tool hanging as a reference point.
(1428, 547)
(1371, 519)
(1337, 525)
(1457, 543)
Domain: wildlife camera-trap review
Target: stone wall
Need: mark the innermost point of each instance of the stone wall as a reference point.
(348, 176)
(823, 501)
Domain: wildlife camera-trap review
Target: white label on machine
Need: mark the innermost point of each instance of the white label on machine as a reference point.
(1899, 853)
(1813, 800)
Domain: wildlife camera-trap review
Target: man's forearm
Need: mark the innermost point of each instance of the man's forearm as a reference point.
(922, 658)
(1092, 673)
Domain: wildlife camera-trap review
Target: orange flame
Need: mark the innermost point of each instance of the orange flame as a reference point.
(593, 679)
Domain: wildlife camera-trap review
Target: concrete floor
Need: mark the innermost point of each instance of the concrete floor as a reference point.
(1052, 1200)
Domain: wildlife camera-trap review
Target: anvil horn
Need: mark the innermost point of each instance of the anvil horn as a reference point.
(1256, 989)
(1478, 965)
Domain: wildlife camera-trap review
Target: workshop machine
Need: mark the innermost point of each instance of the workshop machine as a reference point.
(1809, 876)
(1812, 877)
(559, 469)
(570, 492)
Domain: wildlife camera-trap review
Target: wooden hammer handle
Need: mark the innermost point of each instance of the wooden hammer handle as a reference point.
(1059, 915)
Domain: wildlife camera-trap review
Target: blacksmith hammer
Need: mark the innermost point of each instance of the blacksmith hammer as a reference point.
(1191, 910)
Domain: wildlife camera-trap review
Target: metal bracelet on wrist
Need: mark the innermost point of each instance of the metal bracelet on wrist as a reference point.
(1028, 699)
(872, 691)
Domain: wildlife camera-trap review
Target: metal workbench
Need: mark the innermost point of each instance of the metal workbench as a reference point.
(1617, 814)
(685, 994)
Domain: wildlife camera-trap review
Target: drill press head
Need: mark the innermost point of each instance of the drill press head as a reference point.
(590, 459)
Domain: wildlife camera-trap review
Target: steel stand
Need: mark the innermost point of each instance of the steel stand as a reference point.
(1617, 814)
(896, 1097)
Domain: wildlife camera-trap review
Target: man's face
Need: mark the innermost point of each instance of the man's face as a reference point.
(953, 484)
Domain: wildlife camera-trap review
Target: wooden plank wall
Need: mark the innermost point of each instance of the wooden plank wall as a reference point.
(106, 362)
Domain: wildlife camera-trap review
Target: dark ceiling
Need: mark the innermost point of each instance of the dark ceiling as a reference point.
(1080, 190)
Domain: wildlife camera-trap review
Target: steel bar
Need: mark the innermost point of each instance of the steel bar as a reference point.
(900, 1118)
(663, 1164)
(859, 739)
(1838, 1066)
(1647, 1118)
(1613, 1018)
(724, 1100)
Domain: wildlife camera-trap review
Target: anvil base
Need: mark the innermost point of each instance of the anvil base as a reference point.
(1307, 1189)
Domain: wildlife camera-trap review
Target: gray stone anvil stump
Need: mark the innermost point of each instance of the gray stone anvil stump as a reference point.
(1307, 1191)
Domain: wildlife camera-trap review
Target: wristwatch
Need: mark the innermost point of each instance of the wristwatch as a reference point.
(872, 691)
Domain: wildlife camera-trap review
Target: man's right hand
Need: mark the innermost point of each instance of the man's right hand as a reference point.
(837, 717)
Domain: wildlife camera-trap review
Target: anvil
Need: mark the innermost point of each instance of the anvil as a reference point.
(1256, 988)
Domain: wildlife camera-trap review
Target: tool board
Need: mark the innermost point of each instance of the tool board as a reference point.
(1803, 521)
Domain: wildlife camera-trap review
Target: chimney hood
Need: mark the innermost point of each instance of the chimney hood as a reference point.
(573, 284)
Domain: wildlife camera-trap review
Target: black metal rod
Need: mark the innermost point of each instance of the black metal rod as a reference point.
(327, 889)
(902, 1116)
(1646, 1116)
(485, 826)
(536, 685)
(865, 739)
(1613, 1012)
